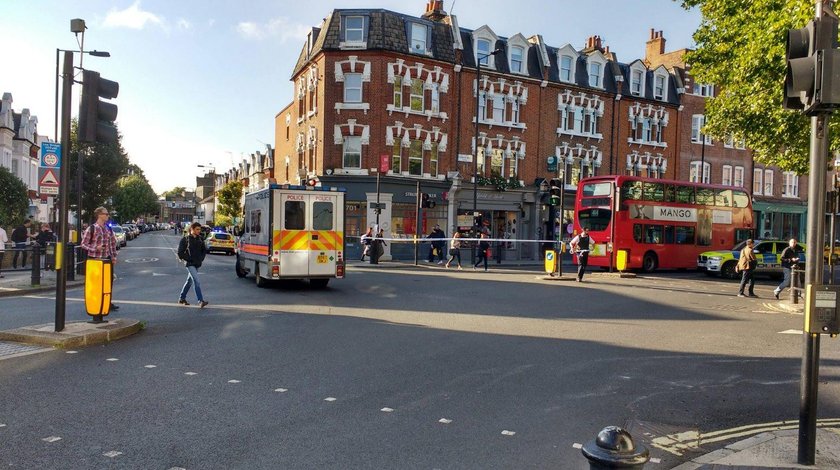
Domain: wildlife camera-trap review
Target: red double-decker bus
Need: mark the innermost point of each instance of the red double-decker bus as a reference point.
(660, 223)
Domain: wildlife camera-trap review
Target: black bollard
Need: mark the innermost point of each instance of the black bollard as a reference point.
(36, 264)
(70, 262)
(614, 448)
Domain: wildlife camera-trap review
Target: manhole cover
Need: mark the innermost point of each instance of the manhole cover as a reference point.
(140, 260)
(15, 349)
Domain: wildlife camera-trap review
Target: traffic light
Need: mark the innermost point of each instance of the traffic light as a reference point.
(427, 202)
(555, 189)
(812, 80)
(96, 118)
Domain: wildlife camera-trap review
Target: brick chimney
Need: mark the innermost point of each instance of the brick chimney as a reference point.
(434, 10)
(593, 43)
(655, 46)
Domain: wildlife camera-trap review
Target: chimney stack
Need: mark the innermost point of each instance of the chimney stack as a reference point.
(434, 10)
(655, 46)
(593, 43)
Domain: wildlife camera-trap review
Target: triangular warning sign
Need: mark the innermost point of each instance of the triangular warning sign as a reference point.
(49, 178)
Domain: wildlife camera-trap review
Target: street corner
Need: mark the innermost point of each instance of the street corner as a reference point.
(785, 307)
(75, 334)
(12, 289)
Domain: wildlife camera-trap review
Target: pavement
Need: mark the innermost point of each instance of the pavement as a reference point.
(774, 449)
(20, 282)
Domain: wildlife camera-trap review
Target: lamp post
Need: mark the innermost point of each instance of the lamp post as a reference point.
(478, 59)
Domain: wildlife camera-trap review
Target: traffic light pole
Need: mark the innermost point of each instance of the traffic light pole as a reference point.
(810, 370)
(63, 194)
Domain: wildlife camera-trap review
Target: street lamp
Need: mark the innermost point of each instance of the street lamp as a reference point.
(478, 59)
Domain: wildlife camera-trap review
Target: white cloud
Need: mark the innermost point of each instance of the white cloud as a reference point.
(280, 27)
(184, 24)
(211, 22)
(132, 17)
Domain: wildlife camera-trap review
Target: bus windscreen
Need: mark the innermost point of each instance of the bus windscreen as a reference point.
(596, 189)
(596, 219)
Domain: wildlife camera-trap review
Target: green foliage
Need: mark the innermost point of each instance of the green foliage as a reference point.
(14, 200)
(230, 197)
(177, 191)
(104, 165)
(501, 183)
(134, 197)
(223, 221)
(741, 50)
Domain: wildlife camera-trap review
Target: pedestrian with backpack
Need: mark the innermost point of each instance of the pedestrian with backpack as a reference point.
(192, 251)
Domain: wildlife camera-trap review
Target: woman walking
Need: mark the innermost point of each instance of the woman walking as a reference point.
(367, 241)
(483, 246)
(455, 249)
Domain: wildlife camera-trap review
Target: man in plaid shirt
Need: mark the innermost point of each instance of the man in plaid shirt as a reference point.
(99, 241)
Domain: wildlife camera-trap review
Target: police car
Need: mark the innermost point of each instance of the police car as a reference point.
(768, 253)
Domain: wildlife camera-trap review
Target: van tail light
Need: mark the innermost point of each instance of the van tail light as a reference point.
(339, 266)
(275, 271)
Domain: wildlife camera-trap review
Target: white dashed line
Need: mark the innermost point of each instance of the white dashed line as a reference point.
(112, 359)
(508, 433)
(655, 460)
(329, 399)
(72, 352)
(577, 445)
(51, 439)
(2, 425)
(791, 332)
(281, 390)
(444, 421)
(387, 410)
(190, 373)
(233, 381)
(177, 468)
(150, 366)
(112, 453)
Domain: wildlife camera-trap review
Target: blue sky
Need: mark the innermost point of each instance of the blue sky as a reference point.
(201, 80)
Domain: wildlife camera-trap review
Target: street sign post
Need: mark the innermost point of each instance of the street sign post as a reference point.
(48, 170)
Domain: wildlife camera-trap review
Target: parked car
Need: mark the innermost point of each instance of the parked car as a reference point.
(768, 253)
(129, 232)
(119, 234)
(220, 241)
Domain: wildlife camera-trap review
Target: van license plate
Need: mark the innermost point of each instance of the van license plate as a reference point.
(322, 259)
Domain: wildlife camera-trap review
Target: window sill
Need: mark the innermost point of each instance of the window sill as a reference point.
(789, 197)
(312, 113)
(510, 125)
(352, 106)
(408, 111)
(652, 144)
(351, 171)
(425, 176)
(561, 131)
(352, 45)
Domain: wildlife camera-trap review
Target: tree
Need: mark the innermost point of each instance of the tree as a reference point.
(14, 201)
(741, 50)
(104, 165)
(223, 220)
(177, 191)
(230, 197)
(134, 197)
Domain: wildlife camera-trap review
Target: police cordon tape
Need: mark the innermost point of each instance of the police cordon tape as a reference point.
(463, 239)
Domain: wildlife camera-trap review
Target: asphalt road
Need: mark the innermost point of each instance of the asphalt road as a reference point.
(401, 368)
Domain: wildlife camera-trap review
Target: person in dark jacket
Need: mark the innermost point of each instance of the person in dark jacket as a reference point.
(192, 251)
(21, 237)
(438, 243)
(790, 257)
(44, 237)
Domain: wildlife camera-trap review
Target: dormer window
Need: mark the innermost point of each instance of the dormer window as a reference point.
(516, 55)
(354, 29)
(483, 50)
(636, 82)
(659, 84)
(566, 70)
(419, 34)
(595, 72)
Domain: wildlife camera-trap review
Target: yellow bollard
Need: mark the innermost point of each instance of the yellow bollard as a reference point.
(621, 260)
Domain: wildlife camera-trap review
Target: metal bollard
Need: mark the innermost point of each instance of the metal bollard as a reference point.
(794, 285)
(70, 262)
(36, 264)
(374, 251)
(81, 257)
(614, 448)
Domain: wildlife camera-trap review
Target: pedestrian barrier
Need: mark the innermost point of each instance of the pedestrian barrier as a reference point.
(796, 289)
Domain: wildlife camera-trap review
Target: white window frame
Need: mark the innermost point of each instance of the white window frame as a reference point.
(571, 69)
(414, 159)
(703, 89)
(422, 95)
(482, 106)
(728, 141)
(768, 182)
(499, 108)
(347, 29)
(694, 173)
(348, 87)
(599, 75)
(636, 82)
(741, 144)
(424, 48)
(569, 52)
(577, 120)
(738, 177)
(434, 160)
(435, 98)
(487, 60)
(344, 150)
(726, 176)
(758, 179)
(514, 111)
(660, 86)
(791, 184)
(521, 68)
(696, 131)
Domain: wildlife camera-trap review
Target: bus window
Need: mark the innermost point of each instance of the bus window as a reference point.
(670, 195)
(294, 215)
(740, 199)
(596, 189)
(685, 236)
(631, 190)
(322, 216)
(654, 192)
(669, 234)
(637, 233)
(705, 196)
(723, 197)
(653, 234)
(742, 234)
(255, 221)
(685, 194)
(596, 219)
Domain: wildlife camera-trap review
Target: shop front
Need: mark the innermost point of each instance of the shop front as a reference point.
(777, 220)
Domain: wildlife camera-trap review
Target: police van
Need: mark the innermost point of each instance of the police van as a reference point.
(292, 232)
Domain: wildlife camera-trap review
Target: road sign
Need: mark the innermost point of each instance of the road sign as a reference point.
(50, 155)
(48, 181)
(552, 163)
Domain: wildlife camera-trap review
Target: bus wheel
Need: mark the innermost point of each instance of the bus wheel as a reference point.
(649, 262)
(239, 271)
(261, 282)
(319, 283)
(728, 270)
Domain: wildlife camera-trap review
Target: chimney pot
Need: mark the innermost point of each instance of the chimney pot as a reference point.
(652, 33)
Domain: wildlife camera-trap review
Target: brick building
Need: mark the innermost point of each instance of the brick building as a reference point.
(373, 85)
(778, 196)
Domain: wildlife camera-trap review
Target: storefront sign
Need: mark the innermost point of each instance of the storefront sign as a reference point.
(384, 163)
(466, 158)
(552, 163)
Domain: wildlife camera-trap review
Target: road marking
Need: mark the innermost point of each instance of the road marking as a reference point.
(387, 410)
(72, 352)
(234, 381)
(281, 390)
(444, 421)
(655, 460)
(150, 366)
(508, 433)
(577, 445)
(329, 399)
(112, 453)
(791, 332)
(51, 439)
(112, 359)
(2, 425)
(689, 441)
(140, 260)
(160, 274)
(190, 373)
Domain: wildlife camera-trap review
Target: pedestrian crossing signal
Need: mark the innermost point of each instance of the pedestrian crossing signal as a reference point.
(427, 202)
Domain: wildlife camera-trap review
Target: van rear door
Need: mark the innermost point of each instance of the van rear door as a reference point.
(326, 236)
(291, 239)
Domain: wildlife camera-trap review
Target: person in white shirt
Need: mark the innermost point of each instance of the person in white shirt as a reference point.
(3, 240)
(581, 246)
